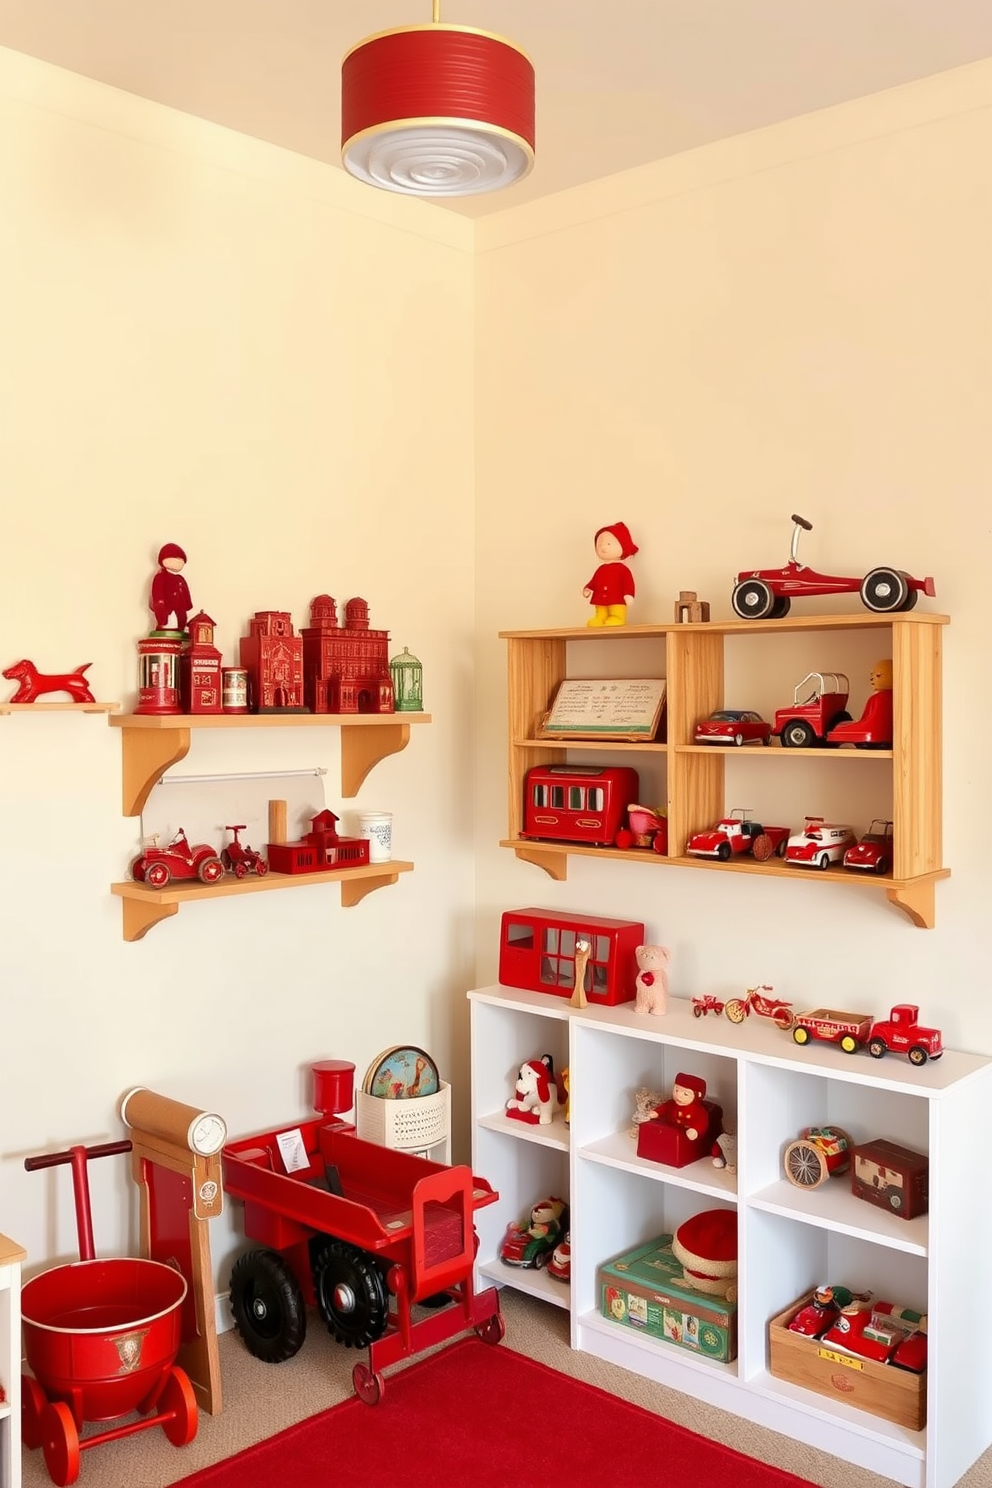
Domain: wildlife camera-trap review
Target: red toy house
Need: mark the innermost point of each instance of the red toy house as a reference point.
(319, 849)
(345, 667)
(273, 656)
(537, 951)
(199, 668)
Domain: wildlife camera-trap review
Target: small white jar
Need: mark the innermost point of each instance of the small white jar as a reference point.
(377, 827)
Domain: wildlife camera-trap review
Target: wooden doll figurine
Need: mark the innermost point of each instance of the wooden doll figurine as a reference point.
(170, 592)
(612, 585)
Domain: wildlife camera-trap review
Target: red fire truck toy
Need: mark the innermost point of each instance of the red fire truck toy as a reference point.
(899, 1033)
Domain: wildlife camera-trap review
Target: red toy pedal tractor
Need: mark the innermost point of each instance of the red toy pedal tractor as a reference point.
(239, 859)
(361, 1231)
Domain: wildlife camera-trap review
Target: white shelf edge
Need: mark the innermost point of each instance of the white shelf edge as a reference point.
(606, 1151)
(824, 1408)
(831, 1211)
(523, 1279)
(555, 1134)
(659, 1349)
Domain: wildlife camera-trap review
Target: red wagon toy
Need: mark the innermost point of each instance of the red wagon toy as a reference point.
(101, 1339)
(358, 1230)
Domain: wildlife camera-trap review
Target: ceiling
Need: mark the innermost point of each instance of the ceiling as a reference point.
(619, 82)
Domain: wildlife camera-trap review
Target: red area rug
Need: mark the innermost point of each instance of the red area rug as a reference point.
(475, 1416)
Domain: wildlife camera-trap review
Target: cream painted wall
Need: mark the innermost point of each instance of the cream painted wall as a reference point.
(795, 320)
(209, 341)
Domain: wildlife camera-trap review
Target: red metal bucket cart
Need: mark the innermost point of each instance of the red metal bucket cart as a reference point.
(101, 1339)
(362, 1232)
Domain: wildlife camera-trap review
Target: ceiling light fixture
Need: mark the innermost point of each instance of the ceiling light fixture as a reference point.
(436, 110)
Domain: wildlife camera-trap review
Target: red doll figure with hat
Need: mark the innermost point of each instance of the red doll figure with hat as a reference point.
(612, 585)
(170, 592)
(685, 1107)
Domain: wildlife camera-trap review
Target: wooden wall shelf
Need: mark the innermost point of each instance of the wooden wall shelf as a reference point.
(60, 707)
(151, 743)
(143, 907)
(691, 657)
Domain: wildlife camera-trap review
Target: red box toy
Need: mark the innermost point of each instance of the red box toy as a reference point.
(537, 952)
(893, 1177)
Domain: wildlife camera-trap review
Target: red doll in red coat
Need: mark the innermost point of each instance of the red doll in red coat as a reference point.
(613, 583)
(685, 1108)
(170, 592)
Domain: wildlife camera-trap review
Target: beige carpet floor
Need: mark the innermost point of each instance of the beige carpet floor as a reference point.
(261, 1399)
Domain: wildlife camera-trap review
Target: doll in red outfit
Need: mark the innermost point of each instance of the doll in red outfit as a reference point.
(613, 583)
(170, 592)
(685, 1108)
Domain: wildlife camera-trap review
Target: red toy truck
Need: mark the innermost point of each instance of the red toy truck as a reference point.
(900, 1033)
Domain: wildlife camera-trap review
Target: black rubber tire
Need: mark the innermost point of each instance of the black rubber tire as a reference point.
(723, 852)
(798, 734)
(351, 1293)
(269, 1311)
(884, 590)
(781, 607)
(753, 600)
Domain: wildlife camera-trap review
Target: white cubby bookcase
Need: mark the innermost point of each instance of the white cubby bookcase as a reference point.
(790, 1240)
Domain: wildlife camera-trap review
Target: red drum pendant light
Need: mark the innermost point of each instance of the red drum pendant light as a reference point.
(437, 110)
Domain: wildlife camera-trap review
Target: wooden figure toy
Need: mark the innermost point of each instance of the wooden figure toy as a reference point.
(873, 730)
(583, 950)
(690, 609)
(170, 592)
(33, 684)
(612, 585)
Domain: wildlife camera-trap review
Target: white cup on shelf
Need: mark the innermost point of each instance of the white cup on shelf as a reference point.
(377, 827)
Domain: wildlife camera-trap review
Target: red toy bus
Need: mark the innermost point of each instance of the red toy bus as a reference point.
(569, 804)
(537, 952)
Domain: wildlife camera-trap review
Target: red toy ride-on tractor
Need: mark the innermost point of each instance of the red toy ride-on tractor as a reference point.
(241, 860)
(767, 593)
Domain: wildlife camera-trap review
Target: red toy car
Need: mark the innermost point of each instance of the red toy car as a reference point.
(873, 854)
(767, 593)
(737, 834)
(819, 844)
(158, 866)
(819, 704)
(733, 726)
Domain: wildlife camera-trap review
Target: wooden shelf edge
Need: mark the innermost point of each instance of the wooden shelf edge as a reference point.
(862, 620)
(156, 722)
(554, 860)
(143, 907)
(60, 707)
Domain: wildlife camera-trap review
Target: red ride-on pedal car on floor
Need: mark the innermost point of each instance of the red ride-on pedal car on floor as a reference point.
(767, 593)
(158, 866)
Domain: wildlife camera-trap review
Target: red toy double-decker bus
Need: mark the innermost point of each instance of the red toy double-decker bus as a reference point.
(537, 952)
(565, 803)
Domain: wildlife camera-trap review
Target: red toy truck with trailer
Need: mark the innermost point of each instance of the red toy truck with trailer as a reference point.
(361, 1231)
(899, 1033)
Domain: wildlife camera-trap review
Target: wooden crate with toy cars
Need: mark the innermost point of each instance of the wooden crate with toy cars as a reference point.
(897, 1395)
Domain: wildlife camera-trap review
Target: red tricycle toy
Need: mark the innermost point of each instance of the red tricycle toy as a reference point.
(100, 1338)
(360, 1231)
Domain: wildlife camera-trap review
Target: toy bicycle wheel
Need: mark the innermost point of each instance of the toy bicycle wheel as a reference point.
(805, 1165)
(736, 1010)
(369, 1386)
(60, 1444)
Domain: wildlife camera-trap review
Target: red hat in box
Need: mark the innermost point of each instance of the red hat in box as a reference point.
(707, 1247)
(693, 1083)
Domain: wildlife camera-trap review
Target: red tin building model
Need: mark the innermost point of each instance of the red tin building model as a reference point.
(158, 674)
(273, 656)
(319, 849)
(537, 952)
(200, 668)
(345, 667)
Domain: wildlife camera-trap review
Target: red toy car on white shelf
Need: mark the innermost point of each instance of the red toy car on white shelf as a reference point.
(819, 704)
(733, 726)
(819, 844)
(735, 835)
(830, 1026)
(158, 866)
(873, 854)
(767, 593)
(900, 1033)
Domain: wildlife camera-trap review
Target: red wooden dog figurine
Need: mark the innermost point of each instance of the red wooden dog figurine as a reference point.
(35, 684)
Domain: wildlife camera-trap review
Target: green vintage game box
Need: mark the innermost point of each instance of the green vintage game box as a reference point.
(644, 1289)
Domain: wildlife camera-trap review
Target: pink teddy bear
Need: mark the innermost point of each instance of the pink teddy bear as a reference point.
(651, 986)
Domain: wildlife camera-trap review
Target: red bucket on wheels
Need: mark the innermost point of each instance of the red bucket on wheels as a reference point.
(101, 1338)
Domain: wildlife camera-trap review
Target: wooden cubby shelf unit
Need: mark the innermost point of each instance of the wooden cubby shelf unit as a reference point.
(151, 742)
(692, 659)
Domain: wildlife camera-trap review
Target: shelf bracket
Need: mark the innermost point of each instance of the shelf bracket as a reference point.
(363, 748)
(147, 754)
(141, 914)
(554, 862)
(353, 890)
(916, 900)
